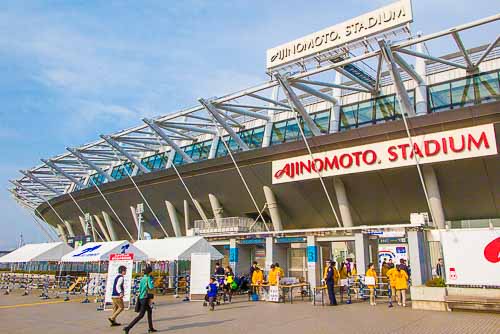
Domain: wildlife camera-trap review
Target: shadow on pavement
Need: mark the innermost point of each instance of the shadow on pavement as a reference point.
(195, 324)
(178, 318)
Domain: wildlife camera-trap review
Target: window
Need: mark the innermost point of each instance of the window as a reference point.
(97, 178)
(463, 92)
(155, 162)
(288, 130)
(252, 137)
(377, 110)
(122, 171)
(197, 151)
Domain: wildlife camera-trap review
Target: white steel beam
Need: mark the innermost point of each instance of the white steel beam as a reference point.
(402, 94)
(211, 108)
(462, 49)
(120, 149)
(342, 71)
(299, 108)
(487, 51)
(408, 68)
(314, 92)
(331, 85)
(92, 165)
(40, 181)
(59, 170)
(242, 111)
(152, 124)
(428, 57)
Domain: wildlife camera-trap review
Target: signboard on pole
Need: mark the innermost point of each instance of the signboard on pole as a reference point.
(471, 142)
(200, 275)
(115, 262)
(383, 19)
(472, 257)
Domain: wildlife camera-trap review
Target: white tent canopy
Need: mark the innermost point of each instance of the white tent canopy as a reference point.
(51, 251)
(175, 249)
(100, 251)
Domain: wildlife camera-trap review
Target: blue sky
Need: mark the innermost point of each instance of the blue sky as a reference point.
(71, 70)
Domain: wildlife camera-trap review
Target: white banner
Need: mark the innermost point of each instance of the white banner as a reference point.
(200, 273)
(274, 294)
(386, 18)
(115, 261)
(456, 144)
(472, 257)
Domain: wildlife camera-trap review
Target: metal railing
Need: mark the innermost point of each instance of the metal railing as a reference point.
(227, 226)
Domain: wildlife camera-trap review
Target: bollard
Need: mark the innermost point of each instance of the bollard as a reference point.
(45, 289)
(100, 299)
(188, 284)
(68, 282)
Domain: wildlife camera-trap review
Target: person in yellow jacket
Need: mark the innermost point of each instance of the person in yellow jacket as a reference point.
(273, 275)
(372, 273)
(336, 274)
(257, 276)
(392, 285)
(401, 280)
(280, 270)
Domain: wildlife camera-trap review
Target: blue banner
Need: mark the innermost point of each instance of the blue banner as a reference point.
(312, 253)
(233, 255)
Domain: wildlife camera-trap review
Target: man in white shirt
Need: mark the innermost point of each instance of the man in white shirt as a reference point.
(117, 295)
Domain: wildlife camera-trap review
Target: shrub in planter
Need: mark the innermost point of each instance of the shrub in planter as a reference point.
(436, 282)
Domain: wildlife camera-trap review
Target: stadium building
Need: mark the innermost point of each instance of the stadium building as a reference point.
(361, 143)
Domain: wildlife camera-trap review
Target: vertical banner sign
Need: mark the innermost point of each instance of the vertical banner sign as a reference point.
(115, 262)
(200, 275)
(312, 253)
(274, 294)
(472, 257)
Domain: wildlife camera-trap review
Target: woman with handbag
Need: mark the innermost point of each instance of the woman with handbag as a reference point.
(145, 298)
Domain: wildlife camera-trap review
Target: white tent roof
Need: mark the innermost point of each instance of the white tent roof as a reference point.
(100, 251)
(174, 249)
(51, 251)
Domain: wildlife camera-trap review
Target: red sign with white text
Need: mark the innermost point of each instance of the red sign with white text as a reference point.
(434, 147)
(121, 257)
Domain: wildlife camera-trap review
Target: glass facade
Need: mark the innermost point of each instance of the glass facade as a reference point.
(252, 137)
(476, 89)
(155, 162)
(120, 172)
(378, 110)
(97, 178)
(288, 130)
(197, 151)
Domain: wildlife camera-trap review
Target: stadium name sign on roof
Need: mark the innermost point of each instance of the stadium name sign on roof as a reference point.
(377, 21)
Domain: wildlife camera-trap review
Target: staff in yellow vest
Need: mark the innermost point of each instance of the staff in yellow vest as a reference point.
(273, 275)
(401, 278)
(372, 273)
(392, 285)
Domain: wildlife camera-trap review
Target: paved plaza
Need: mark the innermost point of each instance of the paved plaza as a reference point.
(29, 314)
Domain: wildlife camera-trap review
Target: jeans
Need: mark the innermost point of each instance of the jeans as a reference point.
(145, 307)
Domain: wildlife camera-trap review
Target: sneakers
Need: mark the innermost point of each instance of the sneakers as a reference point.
(113, 323)
(126, 330)
(404, 305)
(152, 330)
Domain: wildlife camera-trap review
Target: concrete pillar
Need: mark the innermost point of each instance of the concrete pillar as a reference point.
(418, 257)
(273, 209)
(335, 114)
(343, 201)
(103, 229)
(268, 130)
(109, 226)
(186, 216)
(174, 219)
(362, 254)
(269, 253)
(136, 222)
(313, 274)
(213, 148)
(69, 228)
(432, 186)
(92, 227)
(85, 228)
(216, 208)
(62, 233)
(421, 90)
(233, 254)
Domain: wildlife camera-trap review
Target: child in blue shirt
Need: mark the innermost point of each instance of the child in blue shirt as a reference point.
(212, 293)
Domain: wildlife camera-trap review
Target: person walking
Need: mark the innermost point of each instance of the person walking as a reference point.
(372, 273)
(330, 282)
(229, 283)
(401, 278)
(145, 299)
(117, 295)
(392, 286)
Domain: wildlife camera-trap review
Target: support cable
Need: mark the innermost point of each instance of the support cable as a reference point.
(240, 174)
(142, 195)
(107, 202)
